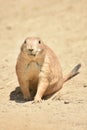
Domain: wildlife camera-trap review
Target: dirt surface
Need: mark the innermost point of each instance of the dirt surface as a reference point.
(62, 24)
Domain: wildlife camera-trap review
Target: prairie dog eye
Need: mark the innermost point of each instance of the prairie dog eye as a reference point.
(25, 42)
(39, 42)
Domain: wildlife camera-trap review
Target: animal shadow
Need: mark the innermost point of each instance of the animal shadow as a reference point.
(17, 95)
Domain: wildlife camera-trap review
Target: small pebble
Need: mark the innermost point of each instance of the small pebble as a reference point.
(8, 27)
(6, 60)
(66, 102)
(85, 86)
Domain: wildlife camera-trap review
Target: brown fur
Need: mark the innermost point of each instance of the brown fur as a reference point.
(38, 70)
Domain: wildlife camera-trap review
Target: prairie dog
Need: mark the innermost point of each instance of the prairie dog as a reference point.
(39, 71)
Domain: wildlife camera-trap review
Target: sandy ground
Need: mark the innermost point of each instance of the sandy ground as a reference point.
(62, 24)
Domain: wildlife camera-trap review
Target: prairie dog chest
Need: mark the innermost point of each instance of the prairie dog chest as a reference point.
(33, 69)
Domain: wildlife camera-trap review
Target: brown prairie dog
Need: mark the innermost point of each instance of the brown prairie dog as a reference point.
(38, 70)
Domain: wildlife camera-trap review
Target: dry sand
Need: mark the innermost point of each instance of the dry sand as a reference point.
(62, 24)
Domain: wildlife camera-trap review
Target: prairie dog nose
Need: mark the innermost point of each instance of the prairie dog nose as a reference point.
(30, 50)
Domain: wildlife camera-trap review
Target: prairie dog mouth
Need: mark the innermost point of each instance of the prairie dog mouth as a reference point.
(32, 53)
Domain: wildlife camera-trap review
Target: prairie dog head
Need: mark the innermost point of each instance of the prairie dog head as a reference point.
(32, 46)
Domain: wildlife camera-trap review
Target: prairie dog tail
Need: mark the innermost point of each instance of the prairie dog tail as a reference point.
(73, 73)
